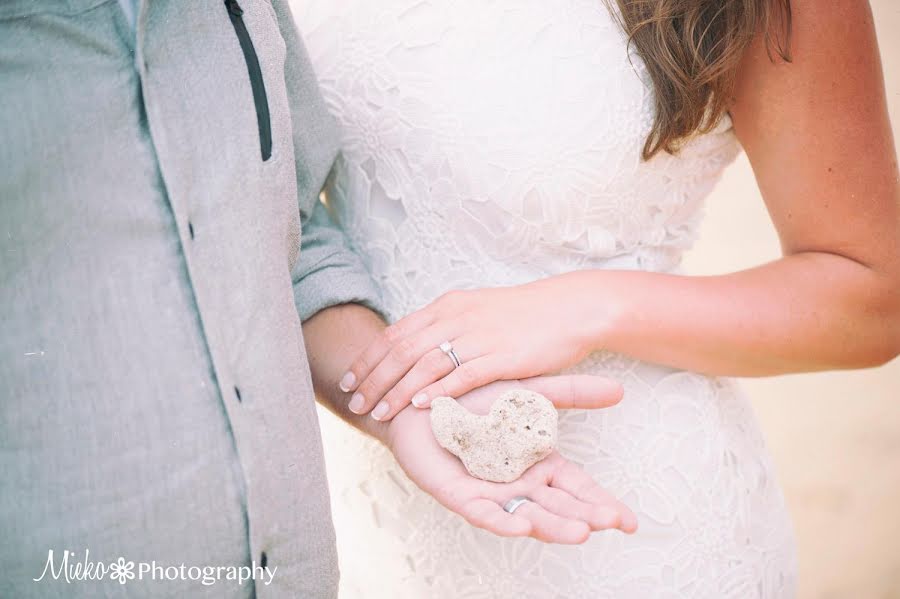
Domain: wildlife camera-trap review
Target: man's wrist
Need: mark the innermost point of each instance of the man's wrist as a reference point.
(378, 430)
(391, 428)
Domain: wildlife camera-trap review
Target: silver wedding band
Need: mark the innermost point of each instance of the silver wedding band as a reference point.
(513, 504)
(448, 349)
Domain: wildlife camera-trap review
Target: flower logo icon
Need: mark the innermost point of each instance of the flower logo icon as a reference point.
(121, 570)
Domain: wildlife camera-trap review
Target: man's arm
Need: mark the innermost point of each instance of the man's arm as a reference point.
(328, 272)
(331, 284)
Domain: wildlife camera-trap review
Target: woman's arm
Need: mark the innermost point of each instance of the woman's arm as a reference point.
(817, 133)
(819, 139)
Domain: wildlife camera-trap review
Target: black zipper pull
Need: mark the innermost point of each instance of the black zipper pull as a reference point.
(234, 8)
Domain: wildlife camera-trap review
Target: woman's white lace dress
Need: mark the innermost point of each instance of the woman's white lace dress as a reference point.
(491, 143)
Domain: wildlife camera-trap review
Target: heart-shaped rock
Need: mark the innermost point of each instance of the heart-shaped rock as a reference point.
(520, 430)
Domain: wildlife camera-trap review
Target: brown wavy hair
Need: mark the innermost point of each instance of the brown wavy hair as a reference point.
(691, 49)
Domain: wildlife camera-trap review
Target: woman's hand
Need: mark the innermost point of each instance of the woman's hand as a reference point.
(566, 504)
(497, 333)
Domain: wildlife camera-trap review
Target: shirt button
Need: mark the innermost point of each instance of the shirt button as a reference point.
(237, 393)
(263, 560)
(191, 229)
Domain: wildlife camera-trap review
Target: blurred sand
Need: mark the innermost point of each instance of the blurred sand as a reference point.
(835, 437)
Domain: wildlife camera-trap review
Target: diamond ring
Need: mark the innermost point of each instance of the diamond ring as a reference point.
(448, 349)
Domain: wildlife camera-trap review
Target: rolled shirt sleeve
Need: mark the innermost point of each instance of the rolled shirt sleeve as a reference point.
(328, 272)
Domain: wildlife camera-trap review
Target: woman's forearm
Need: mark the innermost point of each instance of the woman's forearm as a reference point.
(808, 311)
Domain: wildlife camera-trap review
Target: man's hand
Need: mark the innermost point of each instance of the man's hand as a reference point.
(566, 504)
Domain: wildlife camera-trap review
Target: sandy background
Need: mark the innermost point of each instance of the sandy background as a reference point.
(835, 437)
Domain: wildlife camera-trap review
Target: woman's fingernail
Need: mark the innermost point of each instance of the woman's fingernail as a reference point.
(629, 523)
(609, 518)
(419, 400)
(356, 403)
(380, 410)
(347, 382)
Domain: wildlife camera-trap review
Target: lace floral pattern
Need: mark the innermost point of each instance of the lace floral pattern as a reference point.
(491, 143)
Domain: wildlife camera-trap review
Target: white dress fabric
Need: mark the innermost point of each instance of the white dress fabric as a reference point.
(492, 143)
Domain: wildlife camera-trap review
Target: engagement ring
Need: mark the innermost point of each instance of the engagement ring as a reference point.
(448, 349)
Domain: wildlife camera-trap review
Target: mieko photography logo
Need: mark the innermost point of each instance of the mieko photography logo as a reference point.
(68, 567)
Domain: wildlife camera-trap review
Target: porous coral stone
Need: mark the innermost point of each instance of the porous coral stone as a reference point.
(520, 430)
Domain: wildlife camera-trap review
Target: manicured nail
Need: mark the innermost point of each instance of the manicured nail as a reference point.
(347, 382)
(629, 523)
(356, 403)
(608, 518)
(419, 400)
(380, 410)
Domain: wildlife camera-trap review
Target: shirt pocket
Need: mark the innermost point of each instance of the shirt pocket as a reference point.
(256, 30)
